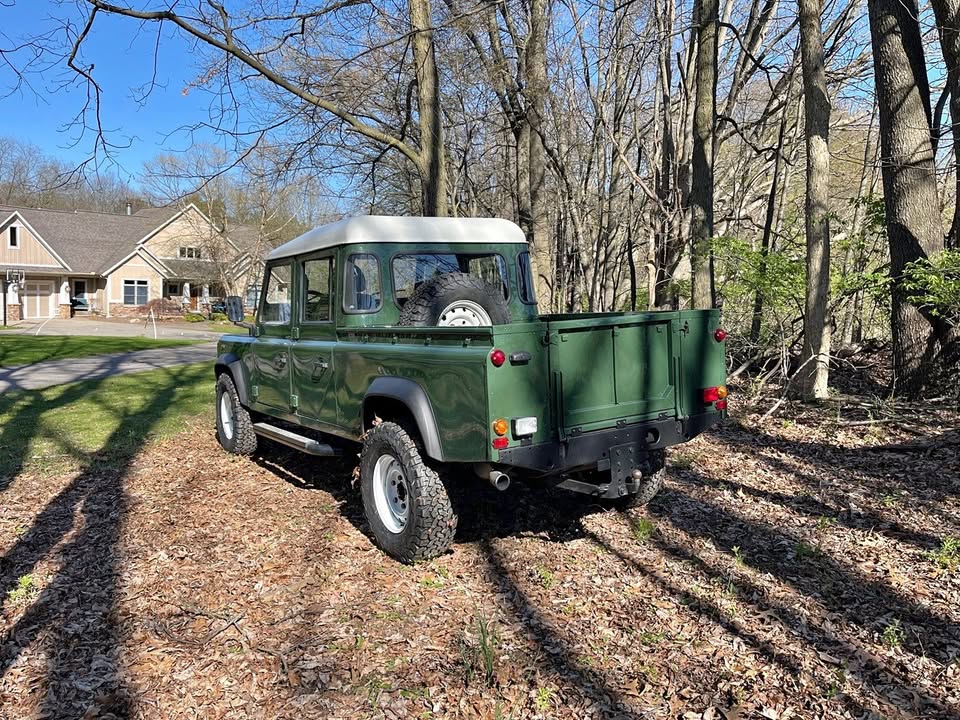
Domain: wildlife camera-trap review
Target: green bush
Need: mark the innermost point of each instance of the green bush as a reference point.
(934, 284)
(194, 317)
(218, 317)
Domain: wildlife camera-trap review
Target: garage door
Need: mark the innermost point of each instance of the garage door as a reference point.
(36, 299)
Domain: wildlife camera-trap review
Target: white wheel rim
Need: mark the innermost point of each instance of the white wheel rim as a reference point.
(391, 494)
(464, 313)
(226, 416)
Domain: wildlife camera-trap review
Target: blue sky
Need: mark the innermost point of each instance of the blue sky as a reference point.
(122, 53)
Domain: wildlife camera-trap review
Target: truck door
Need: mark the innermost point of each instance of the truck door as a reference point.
(312, 351)
(272, 348)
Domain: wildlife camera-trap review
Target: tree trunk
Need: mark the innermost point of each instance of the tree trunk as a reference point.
(432, 165)
(816, 328)
(701, 189)
(536, 92)
(914, 227)
(948, 22)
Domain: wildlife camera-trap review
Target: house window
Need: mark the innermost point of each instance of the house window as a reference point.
(13, 237)
(135, 292)
(190, 253)
(173, 289)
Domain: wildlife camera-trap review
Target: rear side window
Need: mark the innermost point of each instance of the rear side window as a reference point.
(411, 271)
(525, 279)
(276, 299)
(361, 284)
(316, 289)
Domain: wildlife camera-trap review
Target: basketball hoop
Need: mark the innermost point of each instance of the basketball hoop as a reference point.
(15, 276)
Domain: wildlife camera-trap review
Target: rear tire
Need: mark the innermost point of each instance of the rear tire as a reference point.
(455, 299)
(405, 501)
(234, 424)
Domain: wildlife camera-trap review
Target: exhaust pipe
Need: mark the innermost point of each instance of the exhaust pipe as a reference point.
(501, 481)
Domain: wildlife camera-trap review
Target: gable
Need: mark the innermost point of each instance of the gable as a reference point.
(31, 252)
(189, 229)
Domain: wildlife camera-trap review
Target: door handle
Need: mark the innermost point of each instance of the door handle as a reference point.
(280, 361)
(320, 366)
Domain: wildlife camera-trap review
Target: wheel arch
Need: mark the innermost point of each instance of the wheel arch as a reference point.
(231, 364)
(393, 395)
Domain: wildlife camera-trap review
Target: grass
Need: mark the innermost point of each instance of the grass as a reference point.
(69, 426)
(947, 556)
(642, 529)
(28, 349)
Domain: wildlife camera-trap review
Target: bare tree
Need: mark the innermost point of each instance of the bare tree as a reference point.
(704, 129)
(914, 229)
(816, 103)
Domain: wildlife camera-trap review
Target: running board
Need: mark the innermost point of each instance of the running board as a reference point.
(292, 439)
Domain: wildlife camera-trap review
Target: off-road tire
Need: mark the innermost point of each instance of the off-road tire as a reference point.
(424, 307)
(244, 439)
(431, 522)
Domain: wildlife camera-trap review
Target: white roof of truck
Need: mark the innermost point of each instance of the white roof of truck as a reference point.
(388, 228)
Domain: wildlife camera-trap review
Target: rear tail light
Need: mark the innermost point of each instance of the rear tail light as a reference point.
(719, 334)
(498, 357)
(711, 394)
(500, 443)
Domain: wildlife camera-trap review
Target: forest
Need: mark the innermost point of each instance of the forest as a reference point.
(794, 163)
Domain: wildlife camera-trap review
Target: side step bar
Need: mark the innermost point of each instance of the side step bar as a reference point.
(292, 439)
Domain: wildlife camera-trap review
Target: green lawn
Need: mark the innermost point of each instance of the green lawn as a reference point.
(99, 422)
(28, 349)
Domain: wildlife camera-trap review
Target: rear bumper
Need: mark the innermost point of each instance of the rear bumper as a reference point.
(589, 449)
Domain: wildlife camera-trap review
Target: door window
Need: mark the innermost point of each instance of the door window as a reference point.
(276, 298)
(316, 289)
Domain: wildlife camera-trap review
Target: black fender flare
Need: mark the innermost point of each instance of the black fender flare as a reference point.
(415, 399)
(231, 363)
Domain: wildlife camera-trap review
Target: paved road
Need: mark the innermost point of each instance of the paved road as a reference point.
(59, 372)
(116, 327)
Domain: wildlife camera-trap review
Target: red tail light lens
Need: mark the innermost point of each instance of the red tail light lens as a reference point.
(500, 443)
(711, 395)
(719, 334)
(721, 405)
(498, 358)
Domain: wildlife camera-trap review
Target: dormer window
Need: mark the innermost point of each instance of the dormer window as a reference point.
(13, 237)
(190, 253)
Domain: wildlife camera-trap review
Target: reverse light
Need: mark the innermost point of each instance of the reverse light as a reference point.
(500, 426)
(711, 394)
(500, 443)
(719, 334)
(498, 357)
(722, 392)
(525, 426)
(721, 405)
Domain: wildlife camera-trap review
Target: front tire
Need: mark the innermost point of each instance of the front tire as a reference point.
(234, 424)
(405, 501)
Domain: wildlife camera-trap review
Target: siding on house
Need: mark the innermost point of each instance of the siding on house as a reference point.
(30, 252)
(188, 230)
(136, 268)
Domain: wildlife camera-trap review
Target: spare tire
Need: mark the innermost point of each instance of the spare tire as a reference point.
(455, 300)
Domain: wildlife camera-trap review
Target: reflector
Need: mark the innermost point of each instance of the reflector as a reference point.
(498, 358)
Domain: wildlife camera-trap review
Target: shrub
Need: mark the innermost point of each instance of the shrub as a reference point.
(934, 284)
(218, 317)
(194, 317)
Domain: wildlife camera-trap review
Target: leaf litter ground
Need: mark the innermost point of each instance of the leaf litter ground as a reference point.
(792, 567)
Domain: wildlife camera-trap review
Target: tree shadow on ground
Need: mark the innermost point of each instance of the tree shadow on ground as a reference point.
(73, 616)
(526, 509)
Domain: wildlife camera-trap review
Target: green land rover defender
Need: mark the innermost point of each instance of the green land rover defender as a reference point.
(420, 340)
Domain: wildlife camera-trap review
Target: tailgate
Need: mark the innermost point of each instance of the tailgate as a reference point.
(613, 368)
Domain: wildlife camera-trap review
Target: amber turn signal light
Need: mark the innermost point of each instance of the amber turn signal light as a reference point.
(722, 392)
(501, 426)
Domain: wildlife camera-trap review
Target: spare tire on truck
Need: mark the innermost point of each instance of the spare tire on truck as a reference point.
(455, 299)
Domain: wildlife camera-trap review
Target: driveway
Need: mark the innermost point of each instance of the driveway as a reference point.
(118, 327)
(60, 372)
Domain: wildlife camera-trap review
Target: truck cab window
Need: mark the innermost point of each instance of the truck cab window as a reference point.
(411, 271)
(361, 293)
(276, 299)
(316, 290)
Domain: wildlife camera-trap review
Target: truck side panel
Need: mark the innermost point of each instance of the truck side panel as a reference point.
(702, 358)
(452, 376)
